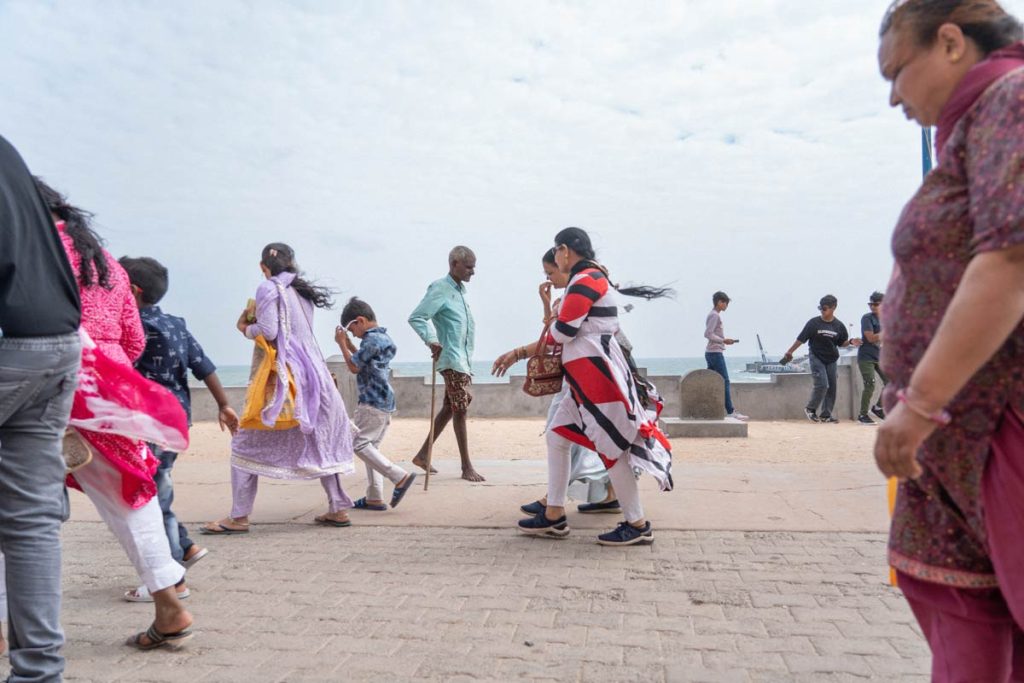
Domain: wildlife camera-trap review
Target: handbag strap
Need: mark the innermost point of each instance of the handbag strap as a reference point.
(539, 349)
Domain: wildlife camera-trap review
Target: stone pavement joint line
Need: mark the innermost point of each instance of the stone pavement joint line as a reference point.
(302, 603)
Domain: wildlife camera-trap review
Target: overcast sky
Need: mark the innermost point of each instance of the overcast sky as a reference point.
(742, 145)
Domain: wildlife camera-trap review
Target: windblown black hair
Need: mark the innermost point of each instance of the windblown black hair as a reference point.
(578, 240)
(279, 258)
(354, 308)
(78, 225)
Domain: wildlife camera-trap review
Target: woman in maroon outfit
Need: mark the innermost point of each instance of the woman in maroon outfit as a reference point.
(954, 341)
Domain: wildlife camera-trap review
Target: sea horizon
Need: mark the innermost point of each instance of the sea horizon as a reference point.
(238, 375)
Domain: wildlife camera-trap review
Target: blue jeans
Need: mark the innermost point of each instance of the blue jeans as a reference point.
(38, 376)
(716, 362)
(824, 391)
(177, 534)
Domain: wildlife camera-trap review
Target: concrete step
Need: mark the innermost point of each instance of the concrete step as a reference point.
(729, 428)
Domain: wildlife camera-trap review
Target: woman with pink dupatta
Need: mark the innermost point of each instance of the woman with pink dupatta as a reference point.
(954, 344)
(320, 447)
(114, 407)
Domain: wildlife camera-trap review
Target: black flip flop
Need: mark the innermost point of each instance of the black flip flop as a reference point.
(222, 530)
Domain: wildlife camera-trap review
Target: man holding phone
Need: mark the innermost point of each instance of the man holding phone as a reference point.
(714, 354)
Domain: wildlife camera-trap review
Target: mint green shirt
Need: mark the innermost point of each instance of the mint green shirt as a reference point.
(446, 307)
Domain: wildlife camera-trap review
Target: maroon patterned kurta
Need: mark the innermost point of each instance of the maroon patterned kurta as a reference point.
(972, 202)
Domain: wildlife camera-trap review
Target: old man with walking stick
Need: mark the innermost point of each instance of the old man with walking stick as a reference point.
(445, 324)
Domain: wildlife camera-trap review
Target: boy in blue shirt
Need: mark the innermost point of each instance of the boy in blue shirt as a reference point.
(171, 352)
(371, 365)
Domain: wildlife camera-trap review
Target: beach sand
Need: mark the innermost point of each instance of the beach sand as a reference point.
(787, 476)
(798, 442)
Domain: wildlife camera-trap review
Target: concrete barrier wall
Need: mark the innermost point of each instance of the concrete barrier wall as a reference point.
(783, 398)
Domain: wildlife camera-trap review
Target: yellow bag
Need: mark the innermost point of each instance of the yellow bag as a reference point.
(262, 387)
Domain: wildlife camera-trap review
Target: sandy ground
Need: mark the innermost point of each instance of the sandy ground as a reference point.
(787, 476)
(522, 439)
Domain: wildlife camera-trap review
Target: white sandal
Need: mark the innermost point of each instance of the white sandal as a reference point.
(200, 554)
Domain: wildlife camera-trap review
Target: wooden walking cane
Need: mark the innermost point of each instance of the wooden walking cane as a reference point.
(433, 403)
(893, 486)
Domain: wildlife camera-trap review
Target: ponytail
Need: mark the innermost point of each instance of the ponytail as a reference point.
(646, 292)
(578, 241)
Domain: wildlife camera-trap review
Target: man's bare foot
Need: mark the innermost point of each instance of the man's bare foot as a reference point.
(422, 464)
(3, 645)
(472, 475)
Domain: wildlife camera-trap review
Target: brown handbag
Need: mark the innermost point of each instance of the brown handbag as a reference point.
(544, 369)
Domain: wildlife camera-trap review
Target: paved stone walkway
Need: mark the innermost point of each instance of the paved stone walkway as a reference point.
(293, 602)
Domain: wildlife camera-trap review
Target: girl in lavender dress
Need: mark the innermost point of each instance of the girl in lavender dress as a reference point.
(321, 446)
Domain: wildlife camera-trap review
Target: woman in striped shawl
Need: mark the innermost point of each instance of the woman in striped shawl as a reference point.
(606, 411)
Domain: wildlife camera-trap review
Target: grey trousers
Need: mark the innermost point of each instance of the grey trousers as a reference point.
(37, 382)
(373, 426)
(824, 391)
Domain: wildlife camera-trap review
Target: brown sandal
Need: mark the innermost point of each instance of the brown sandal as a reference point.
(221, 529)
(327, 521)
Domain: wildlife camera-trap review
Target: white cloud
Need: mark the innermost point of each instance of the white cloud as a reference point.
(738, 145)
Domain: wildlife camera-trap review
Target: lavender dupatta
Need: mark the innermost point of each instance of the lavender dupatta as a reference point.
(278, 308)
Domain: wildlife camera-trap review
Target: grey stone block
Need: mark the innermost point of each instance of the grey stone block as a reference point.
(702, 394)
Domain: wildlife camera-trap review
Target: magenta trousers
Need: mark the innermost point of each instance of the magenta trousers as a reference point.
(978, 635)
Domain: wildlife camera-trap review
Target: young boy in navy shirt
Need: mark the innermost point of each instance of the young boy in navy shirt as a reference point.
(371, 364)
(171, 352)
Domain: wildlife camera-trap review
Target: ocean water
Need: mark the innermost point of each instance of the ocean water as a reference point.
(238, 375)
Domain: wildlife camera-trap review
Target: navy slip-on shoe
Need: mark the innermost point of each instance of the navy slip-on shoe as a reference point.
(362, 504)
(627, 534)
(534, 508)
(539, 525)
(399, 493)
(610, 507)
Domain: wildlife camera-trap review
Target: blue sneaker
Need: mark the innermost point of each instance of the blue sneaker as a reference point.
(539, 525)
(627, 534)
(534, 508)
